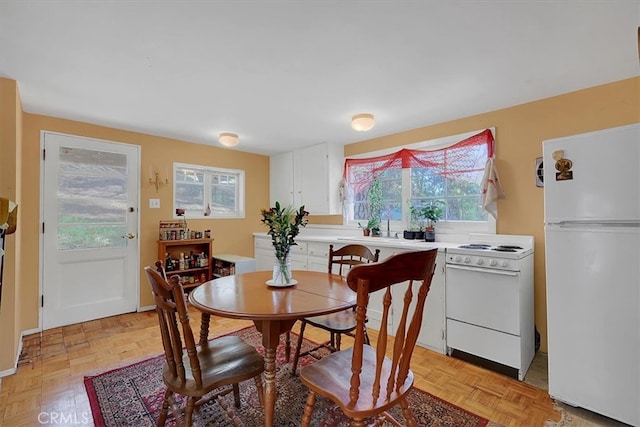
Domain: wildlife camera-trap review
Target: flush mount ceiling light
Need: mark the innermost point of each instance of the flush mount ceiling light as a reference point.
(228, 139)
(362, 122)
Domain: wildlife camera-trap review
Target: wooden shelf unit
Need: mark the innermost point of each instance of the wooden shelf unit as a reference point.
(175, 247)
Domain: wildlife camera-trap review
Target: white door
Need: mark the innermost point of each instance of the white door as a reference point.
(90, 223)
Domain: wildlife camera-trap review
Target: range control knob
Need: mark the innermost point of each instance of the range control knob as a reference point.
(467, 259)
(480, 261)
(493, 263)
(458, 258)
(504, 263)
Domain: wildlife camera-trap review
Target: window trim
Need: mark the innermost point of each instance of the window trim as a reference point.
(240, 191)
(444, 227)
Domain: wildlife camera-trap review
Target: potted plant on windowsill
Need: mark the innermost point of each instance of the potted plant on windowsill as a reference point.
(375, 229)
(371, 224)
(415, 224)
(432, 213)
(375, 207)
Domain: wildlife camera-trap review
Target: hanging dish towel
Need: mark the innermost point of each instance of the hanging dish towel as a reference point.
(491, 188)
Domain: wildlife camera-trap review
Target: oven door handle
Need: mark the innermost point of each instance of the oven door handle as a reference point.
(482, 270)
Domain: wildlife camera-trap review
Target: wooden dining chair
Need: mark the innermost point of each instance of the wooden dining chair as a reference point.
(343, 322)
(161, 269)
(197, 370)
(365, 381)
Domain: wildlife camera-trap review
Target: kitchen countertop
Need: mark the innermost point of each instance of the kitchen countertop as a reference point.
(373, 241)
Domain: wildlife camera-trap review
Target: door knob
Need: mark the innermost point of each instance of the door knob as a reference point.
(129, 236)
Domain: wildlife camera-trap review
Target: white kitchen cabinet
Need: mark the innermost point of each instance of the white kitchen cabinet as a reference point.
(281, 178)
(432, 334)
(374, 310)
(309, 176)
(263, 252)
(299, 255)
(265, 257)
(318, 256)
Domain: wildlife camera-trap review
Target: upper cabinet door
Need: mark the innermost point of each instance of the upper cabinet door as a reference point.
(309, 176)
(311, 171)
(281, 179)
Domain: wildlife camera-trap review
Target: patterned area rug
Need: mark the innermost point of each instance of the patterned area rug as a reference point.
(133, 395)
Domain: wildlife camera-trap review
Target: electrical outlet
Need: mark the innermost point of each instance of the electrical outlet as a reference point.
(154, 203)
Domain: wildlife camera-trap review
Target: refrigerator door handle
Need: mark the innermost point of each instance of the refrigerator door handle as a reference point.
(608, 223)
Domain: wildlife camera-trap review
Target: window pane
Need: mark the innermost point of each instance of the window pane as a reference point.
(223, 194)
(391, 183)
(199, 187)
(92, 199)
(426, 183)
(464, 197)
(465, 209)
(189, 189)
(87, 236)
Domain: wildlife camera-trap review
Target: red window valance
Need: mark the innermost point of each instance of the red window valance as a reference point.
(468, 155)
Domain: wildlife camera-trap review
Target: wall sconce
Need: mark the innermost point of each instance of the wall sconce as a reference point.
(155, 180)
(228, 139)
(362, 122)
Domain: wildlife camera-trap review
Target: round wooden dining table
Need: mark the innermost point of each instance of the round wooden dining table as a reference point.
(273, 310)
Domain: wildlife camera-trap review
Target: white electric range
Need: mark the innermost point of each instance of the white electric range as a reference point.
(489, 299)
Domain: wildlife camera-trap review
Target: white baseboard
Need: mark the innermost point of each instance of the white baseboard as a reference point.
(13, 370)
(7, 372)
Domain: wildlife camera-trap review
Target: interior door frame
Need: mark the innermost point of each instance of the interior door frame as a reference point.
(41, 219)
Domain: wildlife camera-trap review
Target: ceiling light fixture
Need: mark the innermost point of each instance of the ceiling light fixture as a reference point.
(362, 122)
(228, 139)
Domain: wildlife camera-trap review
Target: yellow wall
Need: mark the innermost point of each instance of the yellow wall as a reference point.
(10, 155)
(520, 131)
(233, 235)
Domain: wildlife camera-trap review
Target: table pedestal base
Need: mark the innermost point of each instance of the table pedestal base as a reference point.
(271, 331)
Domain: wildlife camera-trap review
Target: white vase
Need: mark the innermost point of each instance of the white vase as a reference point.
(282, 271)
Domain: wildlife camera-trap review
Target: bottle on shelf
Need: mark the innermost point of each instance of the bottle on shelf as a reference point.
(181, 261)
(168, 262)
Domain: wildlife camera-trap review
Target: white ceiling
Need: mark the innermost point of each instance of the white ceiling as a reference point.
(285, 74)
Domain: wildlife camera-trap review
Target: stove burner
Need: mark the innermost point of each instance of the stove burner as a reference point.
(475, 246)
(510, 247)
(504, 249)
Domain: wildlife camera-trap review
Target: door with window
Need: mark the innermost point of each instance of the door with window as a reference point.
(90, 229)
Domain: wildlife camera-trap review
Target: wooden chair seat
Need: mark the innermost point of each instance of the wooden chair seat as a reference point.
(341, 322)
(199, 372)
(337, 389)
(366, 380)
(223, 361)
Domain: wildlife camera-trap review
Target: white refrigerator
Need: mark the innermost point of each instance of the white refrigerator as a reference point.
(592, 244)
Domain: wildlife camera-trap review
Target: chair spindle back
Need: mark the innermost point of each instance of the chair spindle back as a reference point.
(171, 308)
(409, 268)
(349, 256)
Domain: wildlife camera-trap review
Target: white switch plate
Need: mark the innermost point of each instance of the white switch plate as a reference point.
(154, 203)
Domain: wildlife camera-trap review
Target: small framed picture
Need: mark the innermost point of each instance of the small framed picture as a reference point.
(539, 172)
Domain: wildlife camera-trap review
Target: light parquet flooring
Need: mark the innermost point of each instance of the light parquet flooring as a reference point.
(48, 387)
